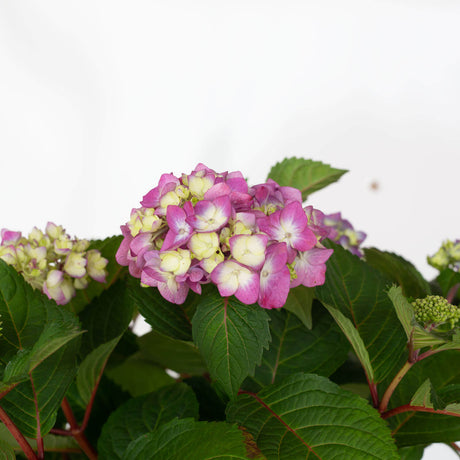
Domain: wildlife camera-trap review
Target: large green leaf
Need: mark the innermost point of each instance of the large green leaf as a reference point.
(142, 415)
(399, 270)
(178, 355)
(164, 317)
(295, 348)
(358, 291)
(231, 337)
(138, 375)
(411, 453)
(300, 302)
(447, 279)
(352, 334)
(52, 443)
(91, 367)
(309, 416)
(192, 440)
(106, 318)
(403, 310)
(417, 428)
(39, 340)
(212, 408)
(108, 248)
(306, 175)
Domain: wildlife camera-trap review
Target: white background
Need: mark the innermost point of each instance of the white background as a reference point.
(99, 98)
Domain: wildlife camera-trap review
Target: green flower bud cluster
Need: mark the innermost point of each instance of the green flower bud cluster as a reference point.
(448, 256)
(435, 310)
(52, 261)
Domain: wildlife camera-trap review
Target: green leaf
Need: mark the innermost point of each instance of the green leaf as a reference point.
(309, 416)
(300, 302)
(306, 175)
(142, 415)
(164, 317)
(52, 443)
(192, 440)
(108, 248)
(400, 271)
(295, 348)
(139, 376)
(39, 339)
(106, 318)
(403, 309)
(352, 334)
(359, 292)
(6, 452)
(90, 369)
(231, 337)
(426, 396)
(417, 428)
(212, 408)
(447, 279)
(109, 396)
(411, 453)
(178, 355)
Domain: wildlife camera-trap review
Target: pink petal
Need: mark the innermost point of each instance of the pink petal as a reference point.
(293, 217)
(221, 189)
(274, 288)
(291, 194)
(174, 292)
(179, 230)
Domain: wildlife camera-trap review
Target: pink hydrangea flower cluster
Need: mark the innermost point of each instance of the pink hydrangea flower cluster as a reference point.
(343, 233)
(206, 227)
(53, 262)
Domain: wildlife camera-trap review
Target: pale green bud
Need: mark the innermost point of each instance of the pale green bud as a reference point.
(75, 265)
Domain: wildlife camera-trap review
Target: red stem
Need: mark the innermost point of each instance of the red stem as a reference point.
(452, 292)
(409, 408)
(89, 407)
(39, 439)
(77, 432)
(22, 441)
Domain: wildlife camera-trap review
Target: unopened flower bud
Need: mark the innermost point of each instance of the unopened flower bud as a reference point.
(435, 310)
(54, 231)
(204, 245)
(75, 264)
(175, 262)
(57, 287)
(96, 265)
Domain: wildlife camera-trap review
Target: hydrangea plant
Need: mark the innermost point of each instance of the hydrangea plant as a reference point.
(274, 333)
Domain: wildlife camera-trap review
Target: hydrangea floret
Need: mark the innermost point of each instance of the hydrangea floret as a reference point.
(447, 256)
(343, 233)
(433, 311)
(207, 227)
(52, 261)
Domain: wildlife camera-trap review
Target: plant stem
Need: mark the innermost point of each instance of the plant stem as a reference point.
(22, 441)
(394, 383)
(77, 432)
(409, 408)
(374, 393)
(452, 292)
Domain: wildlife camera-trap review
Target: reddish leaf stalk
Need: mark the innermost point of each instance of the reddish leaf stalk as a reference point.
(89, 407)
(392, 386)
(21, 440)
(409, 408)
(374, 394)
(77, 432)
(39, 439)
(452, 292)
